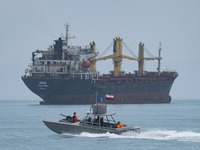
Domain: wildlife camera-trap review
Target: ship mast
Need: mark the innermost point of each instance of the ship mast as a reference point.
(67, 34)
(159, 58)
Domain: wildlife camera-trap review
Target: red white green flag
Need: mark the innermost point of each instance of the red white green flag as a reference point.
(109, 97)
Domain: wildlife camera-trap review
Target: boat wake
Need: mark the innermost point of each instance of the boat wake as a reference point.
(152, 134)
(166, 135)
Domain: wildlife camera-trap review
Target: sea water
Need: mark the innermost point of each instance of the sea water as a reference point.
(174, 126)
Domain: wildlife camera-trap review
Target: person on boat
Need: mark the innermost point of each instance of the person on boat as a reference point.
(97, 120)
(118, 125)
(89, 119)
(101, 121)
(74, 118)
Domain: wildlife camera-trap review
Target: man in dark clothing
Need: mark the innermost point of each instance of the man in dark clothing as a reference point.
(101, 121)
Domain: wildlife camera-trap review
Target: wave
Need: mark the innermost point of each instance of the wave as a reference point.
(152, 134)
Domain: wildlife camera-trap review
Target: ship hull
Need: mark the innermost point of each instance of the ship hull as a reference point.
(64, 91)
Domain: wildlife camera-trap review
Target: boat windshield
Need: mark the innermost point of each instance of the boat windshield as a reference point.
(104, 120)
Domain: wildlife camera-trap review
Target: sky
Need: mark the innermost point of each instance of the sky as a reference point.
(28, 25)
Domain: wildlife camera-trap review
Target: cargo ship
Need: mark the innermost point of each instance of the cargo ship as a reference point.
(65, 74)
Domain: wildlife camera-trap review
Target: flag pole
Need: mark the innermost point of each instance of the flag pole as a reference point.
(96, 97)
(97, 102)
(105, 100)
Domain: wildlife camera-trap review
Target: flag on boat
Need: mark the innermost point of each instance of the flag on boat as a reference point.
(109, 97)
(100, 99)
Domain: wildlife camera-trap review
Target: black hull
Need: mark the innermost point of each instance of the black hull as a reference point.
(65, 91)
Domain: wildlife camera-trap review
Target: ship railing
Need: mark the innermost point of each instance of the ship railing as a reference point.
(85, 76)
(81, 76)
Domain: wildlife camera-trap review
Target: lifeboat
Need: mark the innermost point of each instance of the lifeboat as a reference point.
(85, 64)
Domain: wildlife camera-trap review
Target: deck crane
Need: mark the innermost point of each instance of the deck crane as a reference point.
(117, 57)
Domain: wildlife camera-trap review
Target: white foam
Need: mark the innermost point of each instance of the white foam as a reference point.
(151, 134)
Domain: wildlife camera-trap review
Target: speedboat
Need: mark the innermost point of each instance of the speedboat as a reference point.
(97, 120)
